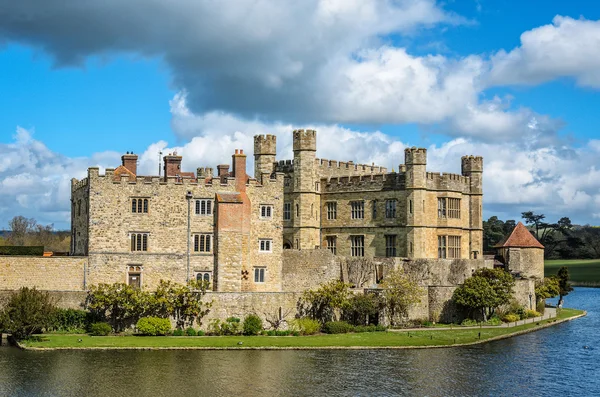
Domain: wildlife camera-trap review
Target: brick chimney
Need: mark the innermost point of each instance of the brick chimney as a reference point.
(222, 170)
(129, 161)
(239, 170)
(172, 165)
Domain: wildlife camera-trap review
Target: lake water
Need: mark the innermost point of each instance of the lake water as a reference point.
(550, 362)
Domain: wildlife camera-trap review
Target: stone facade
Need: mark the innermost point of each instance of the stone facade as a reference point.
(44, 273)
(137, 226)
(410, 213)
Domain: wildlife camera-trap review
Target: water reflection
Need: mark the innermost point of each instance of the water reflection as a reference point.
(548, 362)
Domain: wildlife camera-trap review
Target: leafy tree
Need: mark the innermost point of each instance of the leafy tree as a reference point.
(590, 237)
(327, 301)
(546, 288)
(363, 309)
(399, 293)
(119, 303)
(485, 290)
(495, 230)
(563, 284)
(182, 302)
(28, 311)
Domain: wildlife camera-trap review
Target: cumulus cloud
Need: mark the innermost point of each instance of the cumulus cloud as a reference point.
(36, 182)
(565, 48)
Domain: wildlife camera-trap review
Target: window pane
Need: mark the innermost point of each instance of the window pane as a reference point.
(197, 206)
(139, 242)
(145, 242)
(206, 277)
(208, 207)
(145, 205)
(133, 205)
(139, 208)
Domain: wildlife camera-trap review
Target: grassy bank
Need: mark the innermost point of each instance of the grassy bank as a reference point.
(419, 338)
(581, 271)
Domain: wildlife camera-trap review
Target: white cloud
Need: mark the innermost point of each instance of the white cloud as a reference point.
(565, 48)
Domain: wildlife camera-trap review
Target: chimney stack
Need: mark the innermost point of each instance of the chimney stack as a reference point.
(239, 170)
(129, 161)
(222, 170)
(172, 165)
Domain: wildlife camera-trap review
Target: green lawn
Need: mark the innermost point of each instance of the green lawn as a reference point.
(580, 270)
(373, 339)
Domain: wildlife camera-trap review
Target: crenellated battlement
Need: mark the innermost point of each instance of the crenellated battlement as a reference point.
(363, 168)
(265, 145)
(451, 182)
(471, 164)
(204, 172)
(76, 185)
(285, 166)
(305, 140)
(374, 182)
(415, 156)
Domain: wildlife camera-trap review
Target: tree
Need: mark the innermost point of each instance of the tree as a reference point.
(546, 288)
(19, 227)
(363, 309)
(399, 292)
(181, 302)
(28, 311)
(485, 290)
(327, 301)
(563, 284)
(119, 303)
(590, 237)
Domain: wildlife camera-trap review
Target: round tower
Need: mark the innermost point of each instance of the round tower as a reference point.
(265, 150)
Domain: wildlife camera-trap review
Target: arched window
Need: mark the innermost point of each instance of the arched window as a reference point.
(206, 277)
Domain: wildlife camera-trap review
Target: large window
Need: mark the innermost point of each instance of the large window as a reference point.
(448, 207)
(390, 246)
(331, 210)
(390, 208)
(357, 245)
(332, 244)
(134, 276)
(266, 211)
(139, 205)
(287, 211)
(449, 247)
(357, 209)
(204, 207)
(259, 274)
(139, 241)
(202, 242)
(265, 245)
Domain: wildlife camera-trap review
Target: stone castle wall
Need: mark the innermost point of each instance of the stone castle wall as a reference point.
(44, 273)
(303, 270)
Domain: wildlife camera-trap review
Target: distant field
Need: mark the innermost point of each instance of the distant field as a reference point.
(580, 270)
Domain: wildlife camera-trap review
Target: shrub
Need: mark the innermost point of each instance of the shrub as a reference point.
(190, 331)
(495, 320)
(70, 320)
(517, 309)
(100, 329)
(467, 322)
(337, 327)
(27, 311)
(178, 332)
(231, 326)
(531, 313)
(511, 318)
(200, 333)
(306, 326)
(370, 328)
(541, 307)
(252, 325)
(154, 326)
(25, 250)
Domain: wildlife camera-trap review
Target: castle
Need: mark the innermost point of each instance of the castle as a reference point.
(261, 241)
(135, 228)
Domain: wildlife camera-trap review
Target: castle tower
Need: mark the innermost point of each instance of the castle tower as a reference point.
(306, 200)
(415, 161)
(265, 149)
(472, 167)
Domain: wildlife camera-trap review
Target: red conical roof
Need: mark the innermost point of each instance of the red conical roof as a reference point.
(520, 237)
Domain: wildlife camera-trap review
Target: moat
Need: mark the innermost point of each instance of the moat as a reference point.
(564, 359)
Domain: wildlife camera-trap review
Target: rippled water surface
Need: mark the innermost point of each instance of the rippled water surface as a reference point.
(550, 362)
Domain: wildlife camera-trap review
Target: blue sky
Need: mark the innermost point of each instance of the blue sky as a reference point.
(513, 81)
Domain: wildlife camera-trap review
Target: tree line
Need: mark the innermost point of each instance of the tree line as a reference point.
(24, 231)
(561, 239)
